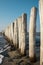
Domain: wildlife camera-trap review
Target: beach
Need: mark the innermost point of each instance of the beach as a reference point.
(13, 57)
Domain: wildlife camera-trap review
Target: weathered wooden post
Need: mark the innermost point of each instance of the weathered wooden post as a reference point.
(7, 32)
(32, 34)
(9, 36)
(19, 30)
(41, 30)
(12, 31)
(15, 37)
(23, 33)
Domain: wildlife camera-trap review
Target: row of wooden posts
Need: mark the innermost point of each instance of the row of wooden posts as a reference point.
(17, 32)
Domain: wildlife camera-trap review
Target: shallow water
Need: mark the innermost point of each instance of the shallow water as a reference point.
(2, 41)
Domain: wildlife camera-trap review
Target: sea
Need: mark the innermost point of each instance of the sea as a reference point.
(2, 41)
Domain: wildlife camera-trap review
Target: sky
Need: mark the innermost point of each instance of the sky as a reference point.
(12, 9)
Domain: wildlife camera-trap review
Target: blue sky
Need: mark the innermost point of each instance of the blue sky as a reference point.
(12, 9)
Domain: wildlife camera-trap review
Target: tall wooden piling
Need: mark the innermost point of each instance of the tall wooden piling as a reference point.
(12, 31)
(41, 30)
(32, 34)
(19, 30)
(23, 33)
(9, 33)
(15, 37)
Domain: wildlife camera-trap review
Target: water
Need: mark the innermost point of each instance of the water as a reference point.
(2, 41)
(3, 45)
(1, 58)
(37, 40)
